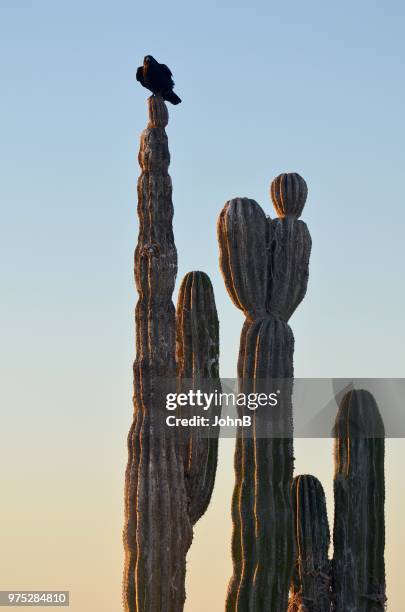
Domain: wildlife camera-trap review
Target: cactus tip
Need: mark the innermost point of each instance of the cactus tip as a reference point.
(289, 193)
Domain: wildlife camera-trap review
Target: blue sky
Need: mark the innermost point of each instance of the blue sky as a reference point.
(267, 88)
(313, 87)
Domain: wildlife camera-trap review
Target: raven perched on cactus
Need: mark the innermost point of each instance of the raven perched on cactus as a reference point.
(157, 78)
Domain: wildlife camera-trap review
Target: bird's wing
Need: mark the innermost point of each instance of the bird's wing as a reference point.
(166, 69)
(139, 74)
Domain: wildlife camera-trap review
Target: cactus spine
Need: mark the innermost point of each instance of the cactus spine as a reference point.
(265, 268)
(162, 498)
(310, 586)
(359, 529)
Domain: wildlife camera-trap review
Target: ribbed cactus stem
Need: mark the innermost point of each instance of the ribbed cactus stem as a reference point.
(290, 246)
(198, 369)
(359, 529)
(311, 582)
(265, 268)
(155, 494)
(158, 523)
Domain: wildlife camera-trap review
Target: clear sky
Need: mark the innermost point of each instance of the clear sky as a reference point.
(267, 87)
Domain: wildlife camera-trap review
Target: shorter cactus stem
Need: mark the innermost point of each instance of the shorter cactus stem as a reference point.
(310, 587)
(359, 531)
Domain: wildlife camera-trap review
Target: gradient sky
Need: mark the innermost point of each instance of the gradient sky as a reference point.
(268, 87)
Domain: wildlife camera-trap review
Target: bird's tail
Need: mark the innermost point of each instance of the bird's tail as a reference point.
(170, 96)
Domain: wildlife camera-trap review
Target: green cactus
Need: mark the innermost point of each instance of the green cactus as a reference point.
(310, 586)
(164, 493)
(265, 268)
(359, 529)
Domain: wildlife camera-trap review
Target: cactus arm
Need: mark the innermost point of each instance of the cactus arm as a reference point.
(290, 242)
(289, 192)
(197, 353)
(243, 267)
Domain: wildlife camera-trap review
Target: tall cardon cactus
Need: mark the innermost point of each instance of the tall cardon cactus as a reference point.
(264, 263)
(356, 580)
(168, 483)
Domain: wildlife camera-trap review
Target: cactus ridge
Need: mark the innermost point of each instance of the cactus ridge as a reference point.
(162, 499)
(264, 264)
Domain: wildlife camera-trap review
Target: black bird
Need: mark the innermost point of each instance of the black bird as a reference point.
(157, 78)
